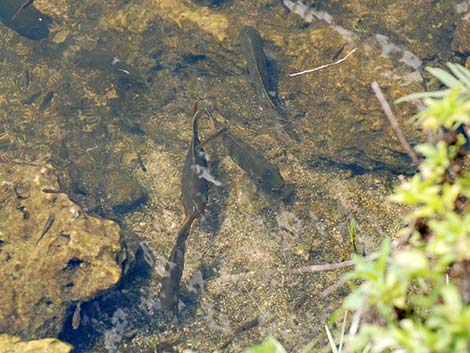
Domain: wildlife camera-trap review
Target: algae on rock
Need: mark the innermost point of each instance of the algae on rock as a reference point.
(52, 254)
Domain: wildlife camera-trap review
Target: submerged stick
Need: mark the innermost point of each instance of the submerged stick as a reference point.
(394, 123)
(233, 278)
(289, 271)
(323, 66)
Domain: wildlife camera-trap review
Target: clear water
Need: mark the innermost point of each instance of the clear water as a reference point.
(179, 52)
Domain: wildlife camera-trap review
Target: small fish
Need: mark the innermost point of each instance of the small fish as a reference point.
(76, 316)
(32, 97)
(338, 53)
(302, 299)
(239, 330)
(261, 74)
(23, 80)
(174, 268)
(258, 167)
(52, 191)
(141, 162)
(21, 9)
(152, 72)
(46, 101)
(102, 59)
(49, 222)
(194, 187)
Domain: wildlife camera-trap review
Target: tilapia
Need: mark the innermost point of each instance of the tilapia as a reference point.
(257, 166)
(261, 74)
(194, 187)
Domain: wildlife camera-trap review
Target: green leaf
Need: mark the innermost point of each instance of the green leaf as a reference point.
(422, 95)
(461, 73)
(443, 76)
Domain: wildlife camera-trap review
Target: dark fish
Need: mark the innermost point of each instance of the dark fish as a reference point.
(76, 316)
(152, 72)
(141, 162)
(260, 169)
(239, 330)
(49, 222)
(194, 187)
(258, 67)
(22, 8)
(46, 101)
(262, 76)
(338, 53)
(25, 19)
(102, 59)
(23, 79)
(32, 97)
(174, 268)
(302, 299)
(52, 191)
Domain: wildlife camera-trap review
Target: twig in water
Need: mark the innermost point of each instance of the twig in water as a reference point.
(333, 287)
(232, 278)
(323, 66)
(394, 123)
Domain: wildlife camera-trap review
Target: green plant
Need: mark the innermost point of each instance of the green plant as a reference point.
(407, 301)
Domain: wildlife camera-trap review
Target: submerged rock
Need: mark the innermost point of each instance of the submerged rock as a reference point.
(461, 41)
(52, 255)
(13, 344)
(107, 192)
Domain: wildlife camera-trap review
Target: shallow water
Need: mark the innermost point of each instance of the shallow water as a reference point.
(115, 120)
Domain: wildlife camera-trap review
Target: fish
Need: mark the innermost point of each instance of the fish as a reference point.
(174, 268)
(247, 325)
(25, 19)
(298, 304)
(23, 79)
(140, 161)
(46, 101)
(194, 187)
(53, 191)
(49, 222)
(32, 97)
(22, 8)
(102, 59)
(260, 71)
(76, 316)
(257, 166)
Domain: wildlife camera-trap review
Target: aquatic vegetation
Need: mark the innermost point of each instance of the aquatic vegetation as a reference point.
(415, 297)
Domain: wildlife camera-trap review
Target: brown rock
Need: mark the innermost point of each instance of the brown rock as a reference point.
(13, 344)
(461, 41)
(52, 254)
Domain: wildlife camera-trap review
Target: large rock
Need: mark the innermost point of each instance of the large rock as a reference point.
(12, 344)
(461, 41)
(43, 274)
